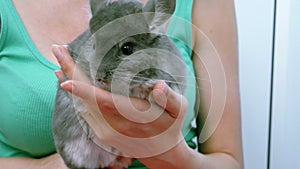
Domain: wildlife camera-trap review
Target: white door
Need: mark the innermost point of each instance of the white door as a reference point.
(285, 135)
(255, 20)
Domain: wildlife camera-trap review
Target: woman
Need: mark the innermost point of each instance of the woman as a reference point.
(214, 19)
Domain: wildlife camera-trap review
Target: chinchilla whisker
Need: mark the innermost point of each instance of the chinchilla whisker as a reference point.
(201, 79)
(114, 70)
(145, 79)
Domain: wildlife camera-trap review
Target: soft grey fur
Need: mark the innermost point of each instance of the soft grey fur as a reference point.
(102, 53)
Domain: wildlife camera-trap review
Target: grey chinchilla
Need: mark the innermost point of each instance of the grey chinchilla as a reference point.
(123, 51)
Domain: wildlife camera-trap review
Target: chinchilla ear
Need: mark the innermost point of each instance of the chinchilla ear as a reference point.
(157, 12)
(95, 5)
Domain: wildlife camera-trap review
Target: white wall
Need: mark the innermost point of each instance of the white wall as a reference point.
(270, 97)
(285, 140)
(255, 25)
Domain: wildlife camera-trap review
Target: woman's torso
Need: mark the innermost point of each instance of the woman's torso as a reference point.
(29, 84)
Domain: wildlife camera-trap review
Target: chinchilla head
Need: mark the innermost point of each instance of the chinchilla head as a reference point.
(130, 47)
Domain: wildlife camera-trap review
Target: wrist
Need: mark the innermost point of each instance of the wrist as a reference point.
(51, 161)
(176, 157)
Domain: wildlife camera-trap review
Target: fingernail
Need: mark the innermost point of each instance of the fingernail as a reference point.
(161, 87)
(164, 87)
(65, 46)
(57, 51)
(160, 93)
(67, 85)
(60, 75)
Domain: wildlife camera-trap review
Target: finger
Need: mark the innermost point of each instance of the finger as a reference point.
(108, 103)
(64, 59)
(86, 91)
(67, 64)
(60, 75)
(117, 112)
(174, 103)
(89, 94)
(103, 103)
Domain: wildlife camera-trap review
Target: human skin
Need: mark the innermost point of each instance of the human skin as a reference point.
(216, 19)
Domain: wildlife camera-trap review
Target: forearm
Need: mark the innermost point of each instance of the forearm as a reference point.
(220, 161)
(182, 156)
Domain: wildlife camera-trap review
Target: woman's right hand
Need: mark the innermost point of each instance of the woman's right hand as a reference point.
(53, 161)
(133, 126)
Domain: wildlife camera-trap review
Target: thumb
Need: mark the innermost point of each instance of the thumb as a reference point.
(175, 104)
(89, 93)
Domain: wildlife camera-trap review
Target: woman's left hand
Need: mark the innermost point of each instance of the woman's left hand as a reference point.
(134, 126)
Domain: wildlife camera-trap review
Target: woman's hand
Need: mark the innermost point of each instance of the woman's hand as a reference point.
(133, 126)
(50, 162)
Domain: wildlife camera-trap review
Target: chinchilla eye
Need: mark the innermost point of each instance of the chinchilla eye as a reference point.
(127, 48)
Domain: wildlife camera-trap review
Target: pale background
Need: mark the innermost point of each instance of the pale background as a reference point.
(269, 44)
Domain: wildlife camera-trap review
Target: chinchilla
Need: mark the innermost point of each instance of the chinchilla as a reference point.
(124, 51)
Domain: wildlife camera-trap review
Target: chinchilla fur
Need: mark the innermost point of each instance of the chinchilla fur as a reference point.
(124, 51)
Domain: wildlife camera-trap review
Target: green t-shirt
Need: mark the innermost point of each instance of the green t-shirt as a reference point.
(28, 85)
(27, 91)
